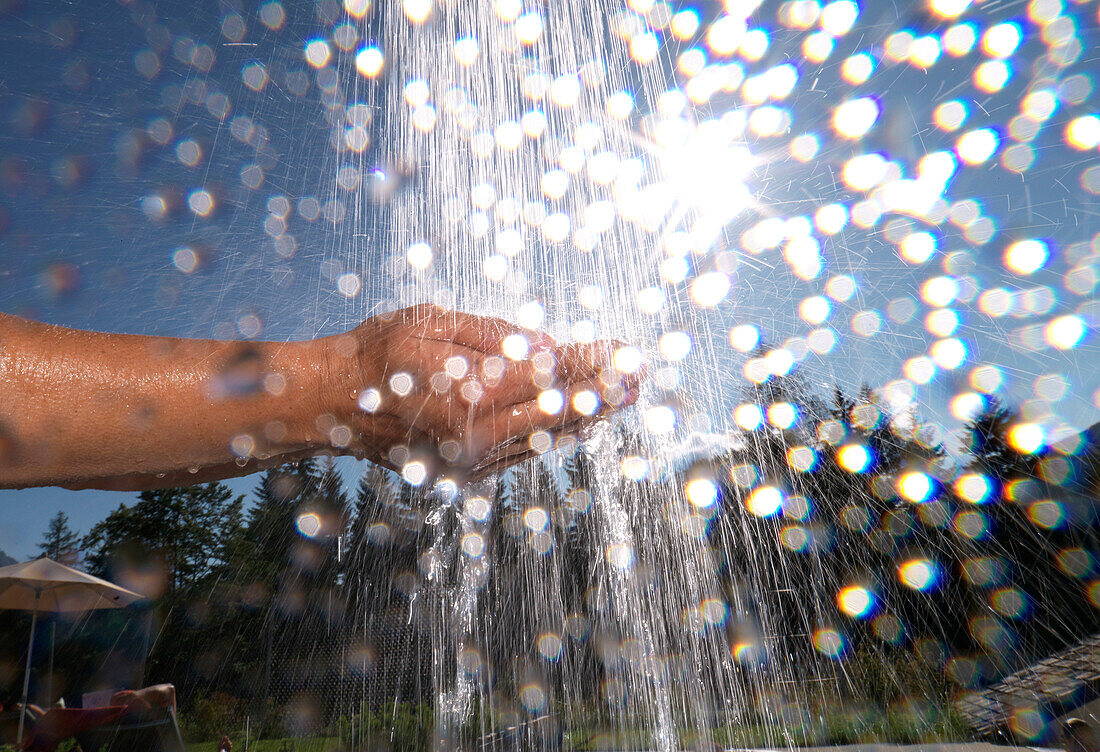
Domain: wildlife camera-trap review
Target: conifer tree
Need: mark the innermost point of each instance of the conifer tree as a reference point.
(987, 442)
(179, 529)
(60, 542)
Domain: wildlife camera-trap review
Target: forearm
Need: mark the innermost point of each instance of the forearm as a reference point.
(91, 410)
(87, 409)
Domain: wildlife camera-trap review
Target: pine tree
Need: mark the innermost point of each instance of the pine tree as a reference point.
(329, 501)
(371, 532)
(842, 407)
(578, 470)
(60, 542)
(987, 442)
(269, 530)
(1025, 548)
(180, 530)
(171, 546)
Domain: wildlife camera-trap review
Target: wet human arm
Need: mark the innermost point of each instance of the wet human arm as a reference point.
(88, 409)
(128, 412)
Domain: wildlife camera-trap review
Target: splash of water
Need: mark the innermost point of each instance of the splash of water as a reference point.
(705, 184)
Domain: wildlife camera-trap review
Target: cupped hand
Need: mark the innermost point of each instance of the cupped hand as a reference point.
(463, 394)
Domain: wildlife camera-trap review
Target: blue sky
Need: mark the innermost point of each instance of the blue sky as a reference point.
(98, 169)
(27, 512)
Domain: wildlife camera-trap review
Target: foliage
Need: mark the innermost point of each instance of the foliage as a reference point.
(211, 716)
(398, 727)
(179, 533)
(60, 542)
(282, 744)
(987, 441)
(848, 723)
(311, 595)
(887, 676)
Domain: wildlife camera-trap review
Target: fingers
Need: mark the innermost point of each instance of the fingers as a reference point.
(580, 361)
(520, 448)
(551, 411)
(514, 453)
(483, 333)
(517, 399)
(509, 382)
(561, 368)
(454, 383)
(492, 382)
(482, 471)
(481, 402)
(505, 372)
(588, 360)
(454, 375)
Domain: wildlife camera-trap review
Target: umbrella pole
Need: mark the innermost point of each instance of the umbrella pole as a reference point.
(53, 644)
(27, 671)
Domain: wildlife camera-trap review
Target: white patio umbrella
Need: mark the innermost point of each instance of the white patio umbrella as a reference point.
(43, 585)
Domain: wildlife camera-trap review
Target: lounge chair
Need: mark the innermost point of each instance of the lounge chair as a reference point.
(149, 723)
(152, 730)
(141, 720)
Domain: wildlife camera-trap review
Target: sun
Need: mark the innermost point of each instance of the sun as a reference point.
(702, 173)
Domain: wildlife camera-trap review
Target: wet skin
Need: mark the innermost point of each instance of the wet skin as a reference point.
(127, 412)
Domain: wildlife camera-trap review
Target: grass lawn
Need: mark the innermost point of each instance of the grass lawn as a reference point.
(312, 744)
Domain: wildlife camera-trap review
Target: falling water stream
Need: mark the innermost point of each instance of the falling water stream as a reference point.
(698, 182)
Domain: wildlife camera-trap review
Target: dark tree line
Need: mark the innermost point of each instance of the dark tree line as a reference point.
(312, 601)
